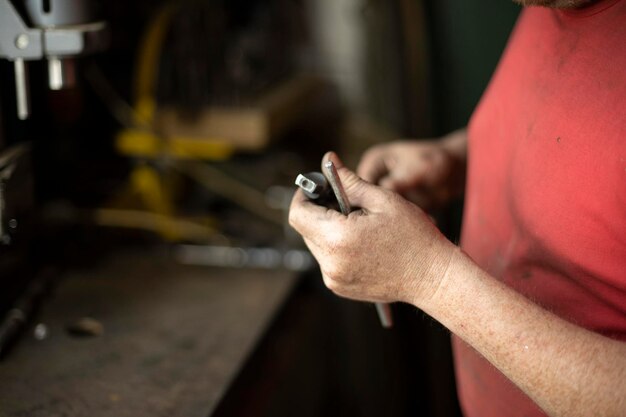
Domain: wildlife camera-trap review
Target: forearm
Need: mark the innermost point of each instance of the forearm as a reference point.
(456, 143)
(566, 370)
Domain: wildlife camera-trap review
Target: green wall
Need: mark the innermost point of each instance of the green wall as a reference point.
(466, 40)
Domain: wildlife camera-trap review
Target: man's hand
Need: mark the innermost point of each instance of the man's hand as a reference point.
(387, 250)
(428, 173)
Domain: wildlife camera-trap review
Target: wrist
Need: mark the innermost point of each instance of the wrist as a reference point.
(430, 274)
(444, 277)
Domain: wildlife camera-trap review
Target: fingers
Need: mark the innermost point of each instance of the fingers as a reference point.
(360, 193)
(374, 165)
(323, 226)
(431, 166)
(330, 282)
(425, 169)
(423, 198)
(307, 217)
(391, 166)
(317, 252)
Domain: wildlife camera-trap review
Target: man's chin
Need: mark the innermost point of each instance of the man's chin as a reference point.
(556, 4)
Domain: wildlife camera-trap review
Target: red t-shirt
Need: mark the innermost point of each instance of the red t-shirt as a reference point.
(546, 195)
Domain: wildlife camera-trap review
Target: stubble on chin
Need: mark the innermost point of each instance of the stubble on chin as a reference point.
(555, 4)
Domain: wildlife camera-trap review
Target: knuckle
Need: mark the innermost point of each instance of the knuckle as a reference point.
(391, 197)
(372, 155)
(334, 272)
(333, 279)
(351, 182)
(331, 284)
(338, 241)
(375, 150)
(292, 218)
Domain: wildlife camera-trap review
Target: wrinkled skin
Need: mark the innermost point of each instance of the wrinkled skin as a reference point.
(386, 250)
(424, 172)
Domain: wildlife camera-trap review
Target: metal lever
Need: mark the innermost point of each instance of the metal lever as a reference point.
(21, 89)
(330, 171)
(315, 186)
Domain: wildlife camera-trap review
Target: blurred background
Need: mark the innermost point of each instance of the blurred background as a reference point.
(148, 151)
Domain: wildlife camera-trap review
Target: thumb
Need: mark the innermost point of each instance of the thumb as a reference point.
(360, 193)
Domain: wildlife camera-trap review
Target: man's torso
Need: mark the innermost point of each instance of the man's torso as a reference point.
(546, 198)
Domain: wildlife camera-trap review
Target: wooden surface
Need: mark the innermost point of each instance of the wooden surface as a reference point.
(250, 127)
(174, 339)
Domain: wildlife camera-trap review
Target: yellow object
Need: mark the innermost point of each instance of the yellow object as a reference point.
(152, 186)
(164, 135)
(197, 230)
(146, 181)
(144, 144)
(148, 63)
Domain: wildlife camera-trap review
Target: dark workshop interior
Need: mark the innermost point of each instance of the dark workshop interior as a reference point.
(148, 152)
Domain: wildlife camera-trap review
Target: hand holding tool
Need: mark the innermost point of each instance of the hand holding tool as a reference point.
(317, 186)
(314, 185)
(330, 171)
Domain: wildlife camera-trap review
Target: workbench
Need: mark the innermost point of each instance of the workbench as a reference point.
(174, 339)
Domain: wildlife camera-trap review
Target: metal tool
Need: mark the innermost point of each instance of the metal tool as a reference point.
(16, 196)
(56, 30)
(244, 257)
(315, 187)
(23, 310)
(330, 171)
(313, 184)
